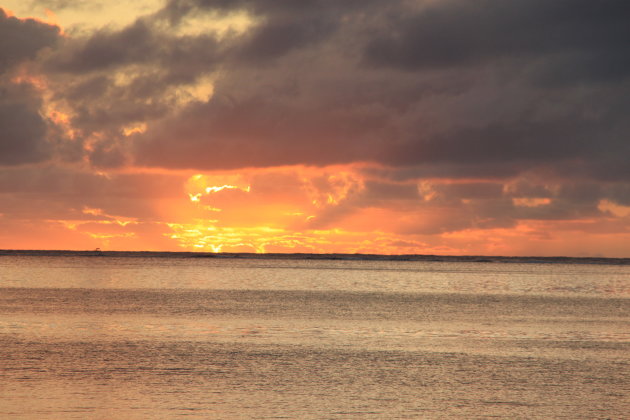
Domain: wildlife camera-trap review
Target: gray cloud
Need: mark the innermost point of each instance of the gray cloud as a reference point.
(24, 130)
(226, 134)
(21, 39)
(456, 32)
(341, 99)
(436, 89)
(107, 49)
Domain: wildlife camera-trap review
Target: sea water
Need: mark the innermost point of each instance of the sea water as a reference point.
(137, 338)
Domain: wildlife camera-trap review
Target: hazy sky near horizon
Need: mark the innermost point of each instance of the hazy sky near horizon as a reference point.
(427, 126)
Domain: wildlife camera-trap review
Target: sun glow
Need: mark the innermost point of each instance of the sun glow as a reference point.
(293, 209)
(199, 187)
(531, 202)
(210, 190)
(205, 236)
(261, 211)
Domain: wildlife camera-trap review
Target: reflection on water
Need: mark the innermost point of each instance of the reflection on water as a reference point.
(144, 338)
(381, 276)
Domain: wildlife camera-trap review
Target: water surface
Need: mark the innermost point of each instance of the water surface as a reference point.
(120, 337)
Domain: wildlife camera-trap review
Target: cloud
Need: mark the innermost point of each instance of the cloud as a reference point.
(224, 134)
(24, 130)
(21, 39)
(23, 138)
(106, 49)
(449, 88)
(455, 33)
(486, 107)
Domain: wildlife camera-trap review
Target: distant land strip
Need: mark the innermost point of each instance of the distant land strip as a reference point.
(307, 256)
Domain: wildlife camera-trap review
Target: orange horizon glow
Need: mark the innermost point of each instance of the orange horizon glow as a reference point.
(308, 210)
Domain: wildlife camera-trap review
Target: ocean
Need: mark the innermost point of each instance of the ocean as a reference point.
(163, 336)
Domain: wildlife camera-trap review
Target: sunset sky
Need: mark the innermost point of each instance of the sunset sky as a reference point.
(486, 127)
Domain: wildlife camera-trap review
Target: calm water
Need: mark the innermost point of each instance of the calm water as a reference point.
(137, 338)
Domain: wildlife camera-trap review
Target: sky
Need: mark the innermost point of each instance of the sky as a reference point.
(446, 127)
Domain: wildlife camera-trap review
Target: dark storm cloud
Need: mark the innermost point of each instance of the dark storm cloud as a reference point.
(23, 130)
(225, 135)
(21, 39)
(568, 147)
(449, 89)
(366, 87)
(146, 41)
(456, 32)
(278, 38)
(153, 63)
(281, 26)
(182, 58)
(107, 49)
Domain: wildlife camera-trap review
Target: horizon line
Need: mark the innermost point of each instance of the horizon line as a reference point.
(320, 256)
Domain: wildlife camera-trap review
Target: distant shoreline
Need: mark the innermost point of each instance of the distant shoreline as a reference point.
(306, 256)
